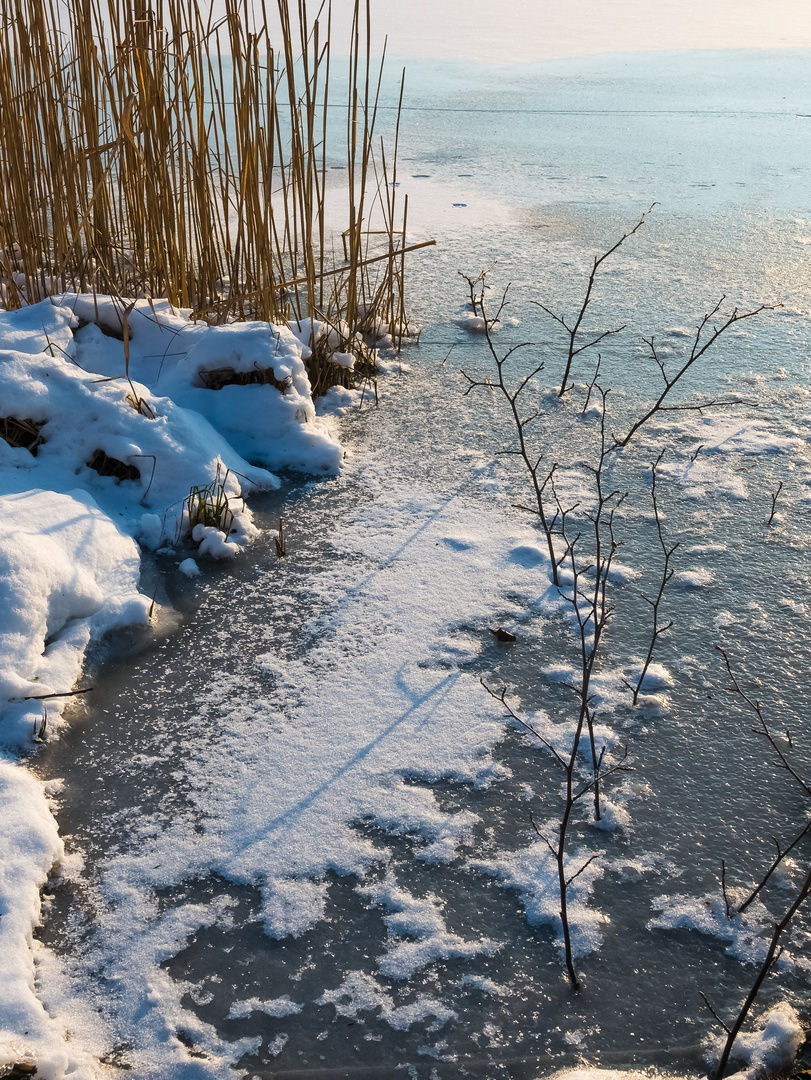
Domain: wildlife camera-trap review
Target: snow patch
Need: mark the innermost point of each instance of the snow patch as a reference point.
(422, 921)
(359, 993)
(770, 1049)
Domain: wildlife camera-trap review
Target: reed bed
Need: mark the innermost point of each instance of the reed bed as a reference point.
(147, 150)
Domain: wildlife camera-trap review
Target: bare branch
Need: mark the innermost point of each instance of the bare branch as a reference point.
(502, 697)
(781, 855)
(477, 287)
(714, 1013)
(699, 347)
(585, 865)
(724, 889)
(574, 329)
(543, 837)
(774, 495)
(667, 574)
(764, 730)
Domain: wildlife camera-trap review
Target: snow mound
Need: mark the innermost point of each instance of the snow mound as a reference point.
(30, 847)
(68, 575)
(770, 1049)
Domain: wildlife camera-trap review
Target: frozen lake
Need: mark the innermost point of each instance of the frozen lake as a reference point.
(304, 825)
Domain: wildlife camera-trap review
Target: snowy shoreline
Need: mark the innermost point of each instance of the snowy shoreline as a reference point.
(70, 532)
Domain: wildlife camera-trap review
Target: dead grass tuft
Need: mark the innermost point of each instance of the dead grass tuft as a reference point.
(24, 433)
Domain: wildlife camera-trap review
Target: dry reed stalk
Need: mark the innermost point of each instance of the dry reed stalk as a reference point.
(146, 151)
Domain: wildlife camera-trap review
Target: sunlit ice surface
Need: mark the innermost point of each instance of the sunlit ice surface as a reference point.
(306, 828)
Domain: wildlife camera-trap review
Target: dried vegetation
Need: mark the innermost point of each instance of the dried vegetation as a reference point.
(149, 150)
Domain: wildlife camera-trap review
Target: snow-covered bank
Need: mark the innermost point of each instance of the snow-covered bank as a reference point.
(30, 848)
(110, 442)
(112, 439)
(68, 576)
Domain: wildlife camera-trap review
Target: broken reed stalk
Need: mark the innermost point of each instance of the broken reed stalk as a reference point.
(774, 496)
(147, 150)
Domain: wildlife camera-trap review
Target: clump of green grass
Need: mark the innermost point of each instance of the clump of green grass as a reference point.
(209, 505)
